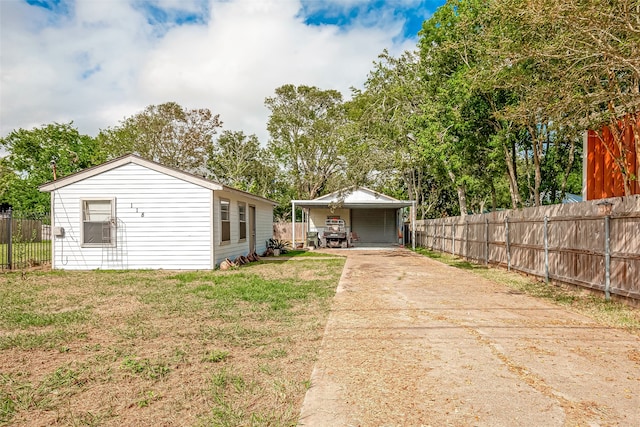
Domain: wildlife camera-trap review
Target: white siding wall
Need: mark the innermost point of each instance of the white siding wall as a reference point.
(236, 247)
(318, 216)
(264, 225)
(174, 233)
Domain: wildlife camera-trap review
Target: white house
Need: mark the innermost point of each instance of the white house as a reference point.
(132, 213)
(371, 218)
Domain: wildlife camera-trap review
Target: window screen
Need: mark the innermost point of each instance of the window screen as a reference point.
(98, 226)
(242, 220)
(225, 224)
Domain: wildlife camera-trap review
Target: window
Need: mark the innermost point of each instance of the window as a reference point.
(98, 223)
(242, 220)
(225, 223)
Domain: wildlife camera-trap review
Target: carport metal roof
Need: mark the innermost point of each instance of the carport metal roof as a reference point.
(355, 198)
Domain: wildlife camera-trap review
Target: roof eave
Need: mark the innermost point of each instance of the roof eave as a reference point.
(124, 160)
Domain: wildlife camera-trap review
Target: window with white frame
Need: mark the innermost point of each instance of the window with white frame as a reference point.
(225, 221)
(242, 220)
(98, 222)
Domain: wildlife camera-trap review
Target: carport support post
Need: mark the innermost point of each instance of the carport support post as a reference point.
(293, 224)
(546, 249)
(413, 225)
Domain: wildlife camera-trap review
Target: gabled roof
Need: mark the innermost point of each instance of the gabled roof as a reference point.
(137, 160)
(354, 197)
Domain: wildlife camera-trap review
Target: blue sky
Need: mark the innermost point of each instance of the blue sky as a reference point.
(95, 62)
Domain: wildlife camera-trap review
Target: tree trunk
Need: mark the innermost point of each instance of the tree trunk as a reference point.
(537, 148)
(460, 189)
(494, 197)
(514, 192)
(462, 199)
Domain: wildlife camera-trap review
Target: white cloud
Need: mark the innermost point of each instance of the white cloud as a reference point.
(106, 62)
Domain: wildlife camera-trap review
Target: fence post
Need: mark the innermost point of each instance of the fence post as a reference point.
(546, 249)
(486, 241)
(506, 239)
(10, 239)
(443, 237)
(607, 258)
(453, 238)
(466, 251)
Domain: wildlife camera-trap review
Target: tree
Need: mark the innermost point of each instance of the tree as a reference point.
(31, 153)
(581, 66)
(306, 126)
(456, 118)
(387, 148)
(239, 161)
(168, 134)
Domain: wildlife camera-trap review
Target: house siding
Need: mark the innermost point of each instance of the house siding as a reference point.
(318, 217)
(162, 222)
(236, 246)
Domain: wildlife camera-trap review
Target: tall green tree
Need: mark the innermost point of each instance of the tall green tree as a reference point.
(32, 154)
(387, 146)
(167, 133)
(575, 65)
(239, 161)
(306, 126)
(456, 119)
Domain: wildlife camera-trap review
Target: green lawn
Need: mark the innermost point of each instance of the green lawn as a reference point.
(26, 254)
(205, 348)
(306, 254)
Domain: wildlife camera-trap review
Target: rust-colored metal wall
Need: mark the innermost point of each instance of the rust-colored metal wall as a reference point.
(603, 177)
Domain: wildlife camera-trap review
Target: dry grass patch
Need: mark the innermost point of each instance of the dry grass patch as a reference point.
(162, 348)
(610, 313)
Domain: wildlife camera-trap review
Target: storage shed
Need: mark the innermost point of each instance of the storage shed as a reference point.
(370, 218)
(132, 213)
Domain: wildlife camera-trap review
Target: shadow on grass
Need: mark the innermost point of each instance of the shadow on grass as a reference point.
(454, 262)
(611, 313)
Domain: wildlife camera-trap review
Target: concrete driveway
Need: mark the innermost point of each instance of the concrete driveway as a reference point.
(413, 342)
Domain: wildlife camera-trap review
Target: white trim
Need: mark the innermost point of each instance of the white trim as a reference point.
(113, 227)
(228, 202)
(125, 160)
(52, 216)
(247, 195)
(351, 190)
(242, 204)
(212, 224)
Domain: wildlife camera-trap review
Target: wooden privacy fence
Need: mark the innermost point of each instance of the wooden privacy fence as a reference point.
(282, 231)
(574, 243)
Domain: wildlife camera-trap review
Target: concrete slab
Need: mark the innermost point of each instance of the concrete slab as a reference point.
(413, 342)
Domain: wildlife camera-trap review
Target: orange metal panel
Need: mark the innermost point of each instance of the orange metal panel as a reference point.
(598, 170)
(591, 164)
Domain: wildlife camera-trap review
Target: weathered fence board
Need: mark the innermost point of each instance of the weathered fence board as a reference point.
(282, 231)
(566, 243)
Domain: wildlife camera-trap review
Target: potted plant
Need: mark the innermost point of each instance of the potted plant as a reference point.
(278, 246)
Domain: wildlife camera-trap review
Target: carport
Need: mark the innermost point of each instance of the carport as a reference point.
(370, 218)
